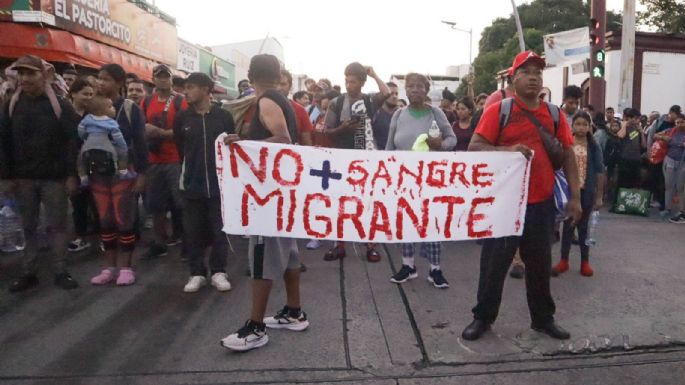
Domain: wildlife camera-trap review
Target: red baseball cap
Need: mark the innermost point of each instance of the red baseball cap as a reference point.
(524, 58)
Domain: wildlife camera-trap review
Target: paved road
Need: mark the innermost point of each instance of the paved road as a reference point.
(627, 322)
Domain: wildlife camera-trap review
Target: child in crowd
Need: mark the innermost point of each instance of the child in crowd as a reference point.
(592, 179)
(104, 149)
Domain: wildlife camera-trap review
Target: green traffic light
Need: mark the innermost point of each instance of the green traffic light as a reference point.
(598, 72)
(600, 56)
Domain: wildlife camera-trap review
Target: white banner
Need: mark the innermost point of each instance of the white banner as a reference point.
(568, 47)
(370, 196)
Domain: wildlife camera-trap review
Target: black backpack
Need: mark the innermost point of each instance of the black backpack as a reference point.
(99, 162)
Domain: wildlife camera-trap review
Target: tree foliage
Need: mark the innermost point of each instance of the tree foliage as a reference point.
(665, 15)
(499, 42)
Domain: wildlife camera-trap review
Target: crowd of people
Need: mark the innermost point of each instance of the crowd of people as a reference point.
(107, 142)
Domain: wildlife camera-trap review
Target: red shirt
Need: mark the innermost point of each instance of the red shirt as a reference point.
(302, 119)
(496, 96)
(167, 150)
(521, 131)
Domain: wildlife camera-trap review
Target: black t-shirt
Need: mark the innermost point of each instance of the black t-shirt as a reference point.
(257, 130)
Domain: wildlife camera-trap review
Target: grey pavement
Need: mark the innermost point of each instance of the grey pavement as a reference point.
(627, 322)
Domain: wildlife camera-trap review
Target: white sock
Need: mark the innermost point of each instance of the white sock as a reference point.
(409, 261)
(435, 267)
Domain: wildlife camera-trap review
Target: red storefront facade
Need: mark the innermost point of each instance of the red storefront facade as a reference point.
(88, 34)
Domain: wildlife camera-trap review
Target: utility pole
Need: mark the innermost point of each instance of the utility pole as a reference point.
(522, 43)
(625, 97)
(453, 25)
(598, 13)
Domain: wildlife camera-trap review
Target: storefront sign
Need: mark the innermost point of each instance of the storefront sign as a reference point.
(188, 57)
(119, 23)
(219, 70)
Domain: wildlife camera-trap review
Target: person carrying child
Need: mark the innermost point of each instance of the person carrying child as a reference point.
(104, 151)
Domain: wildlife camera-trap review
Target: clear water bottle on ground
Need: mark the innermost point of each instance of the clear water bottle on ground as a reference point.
(11, 229)
(434, 131)
(592, 229)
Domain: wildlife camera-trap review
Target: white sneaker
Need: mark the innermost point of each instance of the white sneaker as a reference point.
(77, 245)
(283, 320)
(313, 244)
(195, 283)
(220, 282)
(249, 337)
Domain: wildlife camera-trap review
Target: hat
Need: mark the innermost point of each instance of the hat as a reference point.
(200, 79)
(161, 68)
(526, 57)
(31, 62)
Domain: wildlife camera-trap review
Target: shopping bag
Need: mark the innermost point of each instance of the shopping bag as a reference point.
(632, 202)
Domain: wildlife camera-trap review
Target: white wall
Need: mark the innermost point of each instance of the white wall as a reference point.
(612, 74)
(241, 53)
(663, 81)
(553, 78)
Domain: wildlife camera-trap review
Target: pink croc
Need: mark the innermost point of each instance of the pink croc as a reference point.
(126, 277)
(106, 276)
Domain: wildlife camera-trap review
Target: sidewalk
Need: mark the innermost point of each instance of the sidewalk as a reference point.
(364, 329)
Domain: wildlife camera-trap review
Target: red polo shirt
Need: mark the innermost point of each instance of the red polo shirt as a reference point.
(520, 130)
(167, 151)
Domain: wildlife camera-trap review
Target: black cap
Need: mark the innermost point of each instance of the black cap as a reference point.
(161, 68)
(200, 79)
(177, 81)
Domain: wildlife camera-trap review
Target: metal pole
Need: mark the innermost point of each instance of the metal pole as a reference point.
(470, 80)
(470, 49)
(625, 98)
(598, 85)
(522, 43)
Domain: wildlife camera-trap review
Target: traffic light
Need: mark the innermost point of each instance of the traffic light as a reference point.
(595, 38)
(597, 48)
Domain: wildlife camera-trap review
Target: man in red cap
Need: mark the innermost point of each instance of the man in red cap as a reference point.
(521, 134)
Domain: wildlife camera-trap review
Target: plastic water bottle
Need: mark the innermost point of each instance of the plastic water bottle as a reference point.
(592, 228)
(11, 230)
(434, 131)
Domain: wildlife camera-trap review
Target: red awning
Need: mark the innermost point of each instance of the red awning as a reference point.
(56, 45)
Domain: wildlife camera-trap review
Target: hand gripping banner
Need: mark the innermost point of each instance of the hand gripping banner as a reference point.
(370, 196)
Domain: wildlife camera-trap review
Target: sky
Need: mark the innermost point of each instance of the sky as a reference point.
(321, 37)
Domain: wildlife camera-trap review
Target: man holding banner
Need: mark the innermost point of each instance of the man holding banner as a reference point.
(274, 257)
(529, 131)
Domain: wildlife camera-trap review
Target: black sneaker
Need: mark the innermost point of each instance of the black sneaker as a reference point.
(23, 283)
(155, 251)
(405, 274)
(680, 218)
(284, 320)
(65, 281)
(437, 279)
(250, 336)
